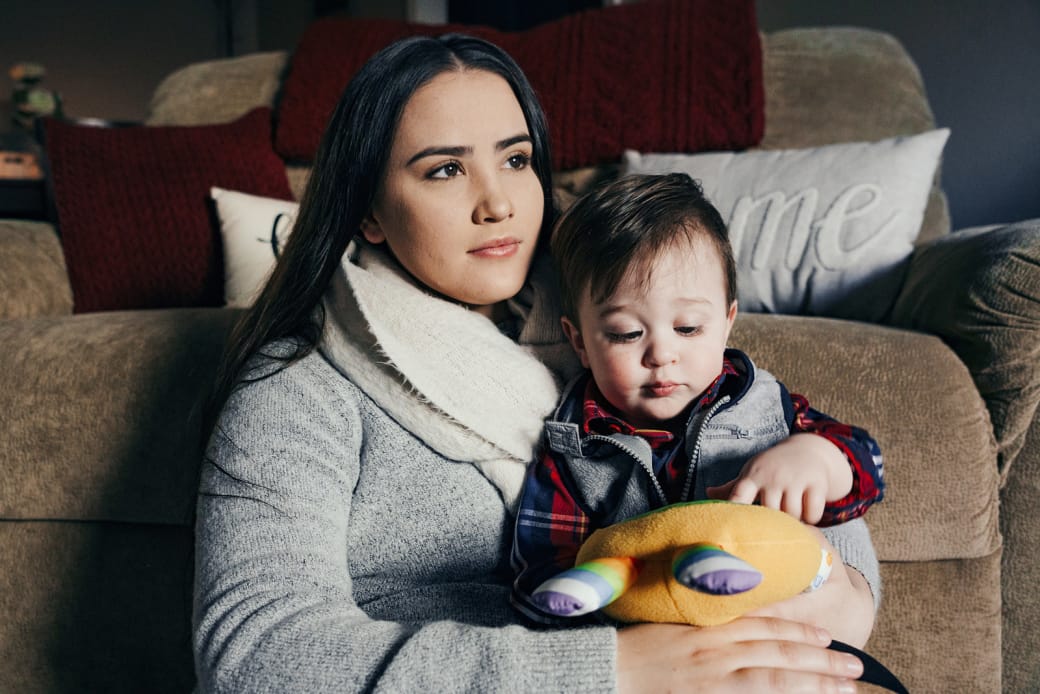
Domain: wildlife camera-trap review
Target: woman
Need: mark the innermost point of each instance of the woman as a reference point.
(354, 515)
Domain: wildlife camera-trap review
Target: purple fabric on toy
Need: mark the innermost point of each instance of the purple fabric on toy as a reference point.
(710, 569)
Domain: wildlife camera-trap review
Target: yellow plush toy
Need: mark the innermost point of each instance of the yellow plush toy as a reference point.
(702, 562)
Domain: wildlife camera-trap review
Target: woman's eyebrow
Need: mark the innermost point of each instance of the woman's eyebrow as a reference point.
(457, 151)
(464, 150)
(510, 141)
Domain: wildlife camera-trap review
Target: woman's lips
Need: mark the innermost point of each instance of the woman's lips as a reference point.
(497, 248)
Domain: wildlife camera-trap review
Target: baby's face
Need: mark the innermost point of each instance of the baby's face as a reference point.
(657, 343)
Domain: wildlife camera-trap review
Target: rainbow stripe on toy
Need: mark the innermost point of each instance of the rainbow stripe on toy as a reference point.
(587, 587)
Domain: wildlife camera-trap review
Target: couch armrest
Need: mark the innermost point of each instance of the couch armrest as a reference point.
(979, 290)
(101, 413)
(33, 277)
(1020, 570)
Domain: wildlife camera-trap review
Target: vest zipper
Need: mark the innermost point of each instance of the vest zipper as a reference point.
(695, 454)
(647, 467)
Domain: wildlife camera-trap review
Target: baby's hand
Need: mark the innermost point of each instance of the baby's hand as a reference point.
(798, 476)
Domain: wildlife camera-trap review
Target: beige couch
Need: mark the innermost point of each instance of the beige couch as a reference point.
(100, 429)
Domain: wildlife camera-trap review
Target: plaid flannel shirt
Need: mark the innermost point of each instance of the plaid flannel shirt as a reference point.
(551, 525)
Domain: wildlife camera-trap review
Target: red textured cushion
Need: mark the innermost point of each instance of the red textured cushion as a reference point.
(669, 76)
(133, 206)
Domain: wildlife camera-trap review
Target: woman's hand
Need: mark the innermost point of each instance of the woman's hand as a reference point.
(750, 654)
(843, 605)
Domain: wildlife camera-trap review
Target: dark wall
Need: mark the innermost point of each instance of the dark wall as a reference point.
(981, 67)
(980, 61)
(514, 15)
(105, 56)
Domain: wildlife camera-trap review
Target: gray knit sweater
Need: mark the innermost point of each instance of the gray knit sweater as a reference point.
(336, 552)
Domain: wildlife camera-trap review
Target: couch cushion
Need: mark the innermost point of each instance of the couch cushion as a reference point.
(101, 413)
(33, 277)
(695, 65)
(217, 91)
(938, 628)
(95, 607)
(133, 206)
(941, 495)
(842, 84)
(136, 453)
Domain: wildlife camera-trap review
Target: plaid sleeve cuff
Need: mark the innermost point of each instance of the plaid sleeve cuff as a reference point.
(859, 448)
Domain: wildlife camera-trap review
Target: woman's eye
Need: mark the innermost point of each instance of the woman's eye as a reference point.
(518, 161)
(688, 329)
(624, 337)
(449, 170)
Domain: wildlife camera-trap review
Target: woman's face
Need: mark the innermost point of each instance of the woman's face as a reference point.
(460, 206)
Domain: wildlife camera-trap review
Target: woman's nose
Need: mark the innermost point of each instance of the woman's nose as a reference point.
(493, 203)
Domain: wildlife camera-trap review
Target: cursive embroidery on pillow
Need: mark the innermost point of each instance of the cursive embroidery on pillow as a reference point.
(822, 231)
(280, 228)
(776, 226)
(254, 231)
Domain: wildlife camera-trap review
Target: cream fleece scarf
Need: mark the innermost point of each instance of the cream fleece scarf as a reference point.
(445, 373)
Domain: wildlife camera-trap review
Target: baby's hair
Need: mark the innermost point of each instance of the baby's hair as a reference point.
(625, 225)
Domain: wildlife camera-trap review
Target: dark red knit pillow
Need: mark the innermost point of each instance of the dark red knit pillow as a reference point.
(133, 208)
(666, 76)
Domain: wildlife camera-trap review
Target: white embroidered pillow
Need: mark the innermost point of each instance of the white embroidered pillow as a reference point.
(821, 231)
(253, 230)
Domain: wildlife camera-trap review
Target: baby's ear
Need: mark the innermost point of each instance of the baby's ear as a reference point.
(576, 340)
(731, 316)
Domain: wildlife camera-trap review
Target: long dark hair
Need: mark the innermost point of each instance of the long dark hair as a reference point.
(349, 166)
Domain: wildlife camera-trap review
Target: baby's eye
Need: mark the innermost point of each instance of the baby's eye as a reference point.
(688, 330)
(631, 336)
(519, 160)
(448, 170)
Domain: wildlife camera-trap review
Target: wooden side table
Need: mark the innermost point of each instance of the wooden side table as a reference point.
(22, 191)
(22, 198)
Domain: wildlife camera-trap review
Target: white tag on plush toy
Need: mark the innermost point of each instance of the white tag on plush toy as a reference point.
(823, 573)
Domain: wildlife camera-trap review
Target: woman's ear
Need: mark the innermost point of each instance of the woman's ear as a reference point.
(371, 230)
(576, 340)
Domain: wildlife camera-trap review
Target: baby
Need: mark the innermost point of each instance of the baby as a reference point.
(665, 412)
